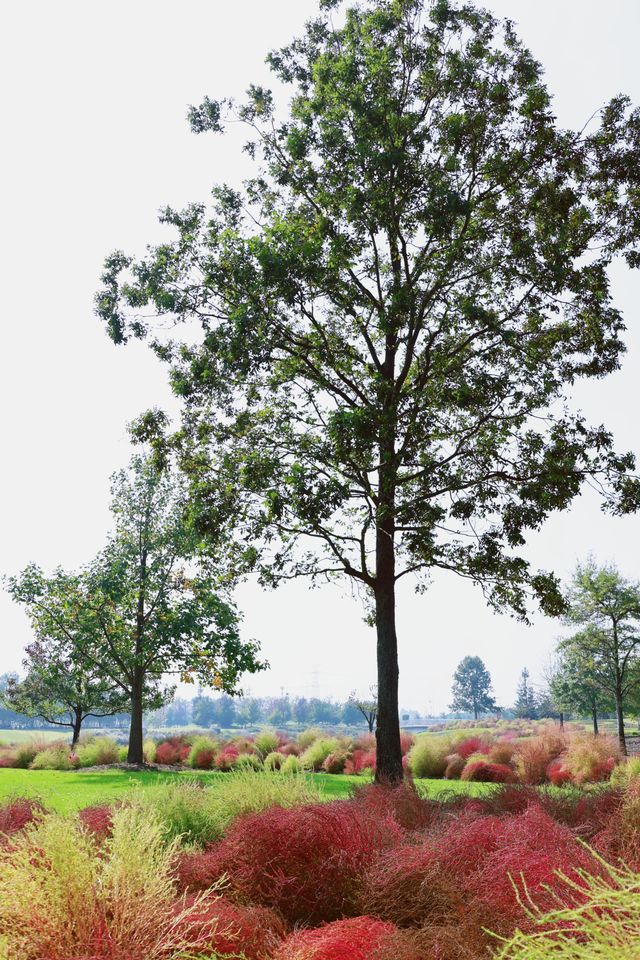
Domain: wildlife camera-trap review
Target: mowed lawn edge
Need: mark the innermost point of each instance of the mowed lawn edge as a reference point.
(67, 791)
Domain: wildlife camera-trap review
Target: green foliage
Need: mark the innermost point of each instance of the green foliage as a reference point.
(53, 758)
(266, 742)
(97, 752)
(274, 761)
(315, 754)
(309, 736)
(25, 754)
(625, 772)
(602, 926)
(428, 755)
(247, 761)
(472, 687)
(291, 766)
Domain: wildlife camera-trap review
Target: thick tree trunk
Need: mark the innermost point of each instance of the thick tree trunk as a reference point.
(594, 717)
(77, 724)
(135, 753)
(620, 719)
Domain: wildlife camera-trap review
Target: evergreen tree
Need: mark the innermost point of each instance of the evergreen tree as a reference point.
(472, 687)
(525, 705)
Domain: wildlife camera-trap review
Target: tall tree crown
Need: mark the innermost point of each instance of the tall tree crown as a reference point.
(392, 311)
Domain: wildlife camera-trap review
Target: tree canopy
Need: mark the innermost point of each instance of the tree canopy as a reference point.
(471, 688)
(384, 324)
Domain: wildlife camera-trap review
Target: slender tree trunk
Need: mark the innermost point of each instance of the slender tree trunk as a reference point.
(594, 716)
(135, 753)
(620, 719)
(562, 720)
(77, 724)
(475, 712)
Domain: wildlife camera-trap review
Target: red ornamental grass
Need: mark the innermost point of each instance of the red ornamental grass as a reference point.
(204, 759)
(98, 820)
(472, 745)
(307, 862)
(355, 939)
(558, 774)
(422, 883)
(482, 771)
(401, 802)
(227, 757)
(16, 814)
(171, 753)
(229, 928)
(529, 850)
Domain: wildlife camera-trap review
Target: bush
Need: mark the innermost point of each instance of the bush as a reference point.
(25, 754)
(355, 939)
(533, 756)
(17, 814)
(98, 820)
(428, 755)
(407, 740)
(247, 761)
(335, 762)
(218, 925)
(472, 745)
(291, 766)
(590, 759)
(306, 861)
(172, 751)
(403, 803)
(97, 752)
(123, 754)
(558, 774)
(274, 761)
(59, 899)
(148, 751)
(484, 772)
(625, 772)
(202, 753)
(315, 754)
(309, 736)
(53, 758)
(619, 839)
(227, 757)
(267, 741)
(503, 752)
(604, 926)
(455, 766)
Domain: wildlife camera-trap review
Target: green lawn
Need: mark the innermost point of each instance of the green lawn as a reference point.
(67, 791)
(22, 736)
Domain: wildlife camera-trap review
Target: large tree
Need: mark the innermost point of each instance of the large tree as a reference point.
(606, 606)
(137, 615)
(575, 687)
(59, 686)
(471, 688)
(382, 326)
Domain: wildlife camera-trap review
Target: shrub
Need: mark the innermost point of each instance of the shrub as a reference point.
(123, 754)
(625, 772)
(247, 761)
(591, 759)
(307, 861)
(98, 820)
(455, 766)
(274, 761)
(421, 883)
(53, 758)
(267, 741)
(97, 752)
(25, 754)
(604, 926)
(355, 939)
(360, 761)
(502, 752)
(407, 740)
(534, 756)
(202, 753)
(315, 754)
(227, 757)
(218, 925)
(428, 755)
(173, 751)
(291, 766)
(309, 736)
(335, 762)
(484, 772)
(59, 900)
(619, 839)
(148, 751)
(402, 802)
(290, 750)
(367, 742)
(17, 814)
(472, 745)
(558, 774)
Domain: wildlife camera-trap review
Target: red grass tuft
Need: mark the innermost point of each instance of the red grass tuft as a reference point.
(472, 745)
(482, 771)
(355, 939)
(406, 742)
(558, 774)
(229, 928)
(401, 802)
(98, 820)
(204, 759)
(172, 751)
(306, 861)
(227, 757)
(16, 814)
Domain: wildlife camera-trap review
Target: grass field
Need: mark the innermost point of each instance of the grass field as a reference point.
(24, 736)
(68, 791)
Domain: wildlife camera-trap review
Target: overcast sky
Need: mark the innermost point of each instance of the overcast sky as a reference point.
(94, 97)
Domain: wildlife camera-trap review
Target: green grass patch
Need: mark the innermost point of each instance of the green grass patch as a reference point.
(39, 736)
(66, 791)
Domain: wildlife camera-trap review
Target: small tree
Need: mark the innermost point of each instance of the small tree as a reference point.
(607, 607)
(575, 687)
(368, 708)
(525, 705)
(134, 614)
(61, 688)
(472, 687)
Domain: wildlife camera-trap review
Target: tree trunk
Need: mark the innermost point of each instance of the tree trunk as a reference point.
(594, 716)
(562, 720)
(77, 724)
(620, 719)
(135, 753)
(475, 712)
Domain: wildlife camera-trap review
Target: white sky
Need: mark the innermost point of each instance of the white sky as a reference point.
(93, 103)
